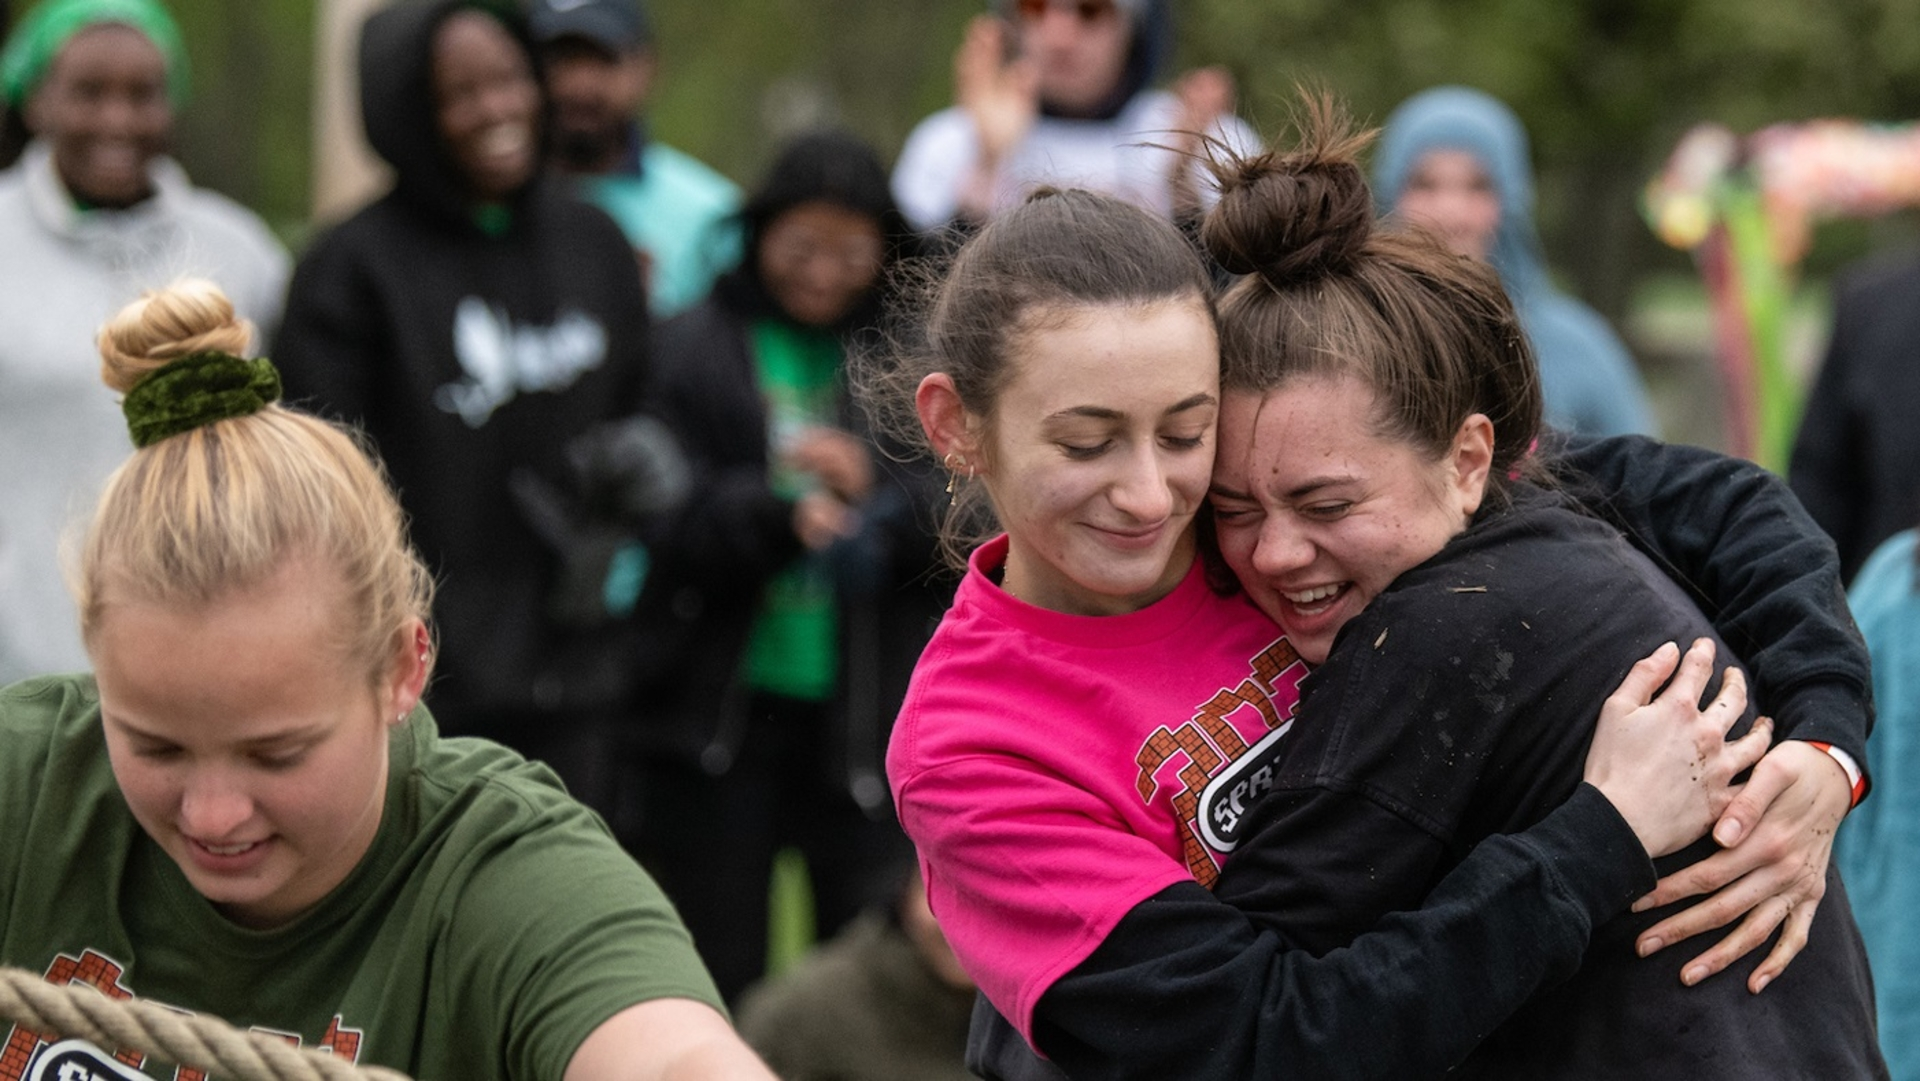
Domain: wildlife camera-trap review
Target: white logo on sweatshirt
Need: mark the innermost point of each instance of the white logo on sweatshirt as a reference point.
(502, 359)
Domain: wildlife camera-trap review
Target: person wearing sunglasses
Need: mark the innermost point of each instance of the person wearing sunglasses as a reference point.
(1061, 92)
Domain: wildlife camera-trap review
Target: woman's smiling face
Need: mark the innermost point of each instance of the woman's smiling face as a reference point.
(250, 751)
(1098, 451)
(1317, 511)
(103, 108)
(487, 104)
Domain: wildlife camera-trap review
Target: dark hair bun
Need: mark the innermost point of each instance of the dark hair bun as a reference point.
(1298, 215)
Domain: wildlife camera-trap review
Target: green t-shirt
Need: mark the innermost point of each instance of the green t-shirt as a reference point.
(793, 650)
(492, 925)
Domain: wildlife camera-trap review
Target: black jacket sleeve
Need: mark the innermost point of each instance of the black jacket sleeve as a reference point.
(1185, 986)
(1761, 570)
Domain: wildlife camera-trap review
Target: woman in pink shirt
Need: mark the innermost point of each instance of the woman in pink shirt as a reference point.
(1083, 733)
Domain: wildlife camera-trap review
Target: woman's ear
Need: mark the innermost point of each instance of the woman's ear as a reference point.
(407, 679)
(1472, 459)
(949, 427)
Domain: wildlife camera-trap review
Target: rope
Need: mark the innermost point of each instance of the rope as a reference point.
(207, 1043)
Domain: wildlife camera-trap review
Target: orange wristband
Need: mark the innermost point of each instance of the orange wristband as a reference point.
(1855, 777)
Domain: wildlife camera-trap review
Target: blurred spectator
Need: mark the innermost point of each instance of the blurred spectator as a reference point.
(1875, 848)
(474, 320)
(1059, 92)
(600, 66)
(797, 577)
(91, 214)
(1856, 458)
(885, 1000)
(1455, 160)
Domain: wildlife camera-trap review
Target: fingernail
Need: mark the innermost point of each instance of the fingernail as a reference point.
(1694, 975)
(1727, 833)
(1760, 983)
(1650, 946)
(1643, 903)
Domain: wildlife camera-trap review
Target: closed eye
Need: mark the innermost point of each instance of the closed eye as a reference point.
(1232, 513)
(280, 760)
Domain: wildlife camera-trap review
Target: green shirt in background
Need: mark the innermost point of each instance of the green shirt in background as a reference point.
(493, 924)
(793, 650)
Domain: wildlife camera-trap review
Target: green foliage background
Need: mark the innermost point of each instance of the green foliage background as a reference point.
(1605, 86)
(248, 129)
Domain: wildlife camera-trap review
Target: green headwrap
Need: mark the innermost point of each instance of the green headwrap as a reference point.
(45, 30)
(195, 391)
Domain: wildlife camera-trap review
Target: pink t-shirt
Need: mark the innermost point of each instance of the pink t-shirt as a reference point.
(1056, 770)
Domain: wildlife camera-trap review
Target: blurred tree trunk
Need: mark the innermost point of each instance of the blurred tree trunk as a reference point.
(346, 173)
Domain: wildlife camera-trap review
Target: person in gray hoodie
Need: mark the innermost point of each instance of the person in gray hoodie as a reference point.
(93, 213)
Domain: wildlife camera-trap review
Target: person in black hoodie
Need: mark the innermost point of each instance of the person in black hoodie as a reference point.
(472, 321)
(796, 580)
(1856, 457)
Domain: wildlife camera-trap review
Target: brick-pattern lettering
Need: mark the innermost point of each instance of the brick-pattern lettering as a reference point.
(91, 969)
(104, 974)
(341, 1041)
(1208, 742)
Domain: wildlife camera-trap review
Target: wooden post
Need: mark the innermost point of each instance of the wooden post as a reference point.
(346, 173)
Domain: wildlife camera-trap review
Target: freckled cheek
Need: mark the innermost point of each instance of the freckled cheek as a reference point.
(1056, 500)
(1236, 547)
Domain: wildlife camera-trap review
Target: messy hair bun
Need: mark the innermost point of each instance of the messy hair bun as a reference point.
(191, 316)
(1324, 294)
(1295, 215)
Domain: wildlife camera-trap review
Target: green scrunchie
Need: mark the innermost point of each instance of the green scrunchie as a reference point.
(197, 390)
(44, 31)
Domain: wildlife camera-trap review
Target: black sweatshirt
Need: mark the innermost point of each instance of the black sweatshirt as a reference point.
(468, 355)
(1856, 456)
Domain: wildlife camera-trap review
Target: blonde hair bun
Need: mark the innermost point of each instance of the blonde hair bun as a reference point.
(190, 316)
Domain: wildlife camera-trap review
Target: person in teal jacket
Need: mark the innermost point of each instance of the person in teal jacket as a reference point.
(1455, 160)
(599, 66)
(1875, 849)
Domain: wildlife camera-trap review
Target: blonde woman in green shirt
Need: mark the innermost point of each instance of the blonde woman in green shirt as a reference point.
(246, 811)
